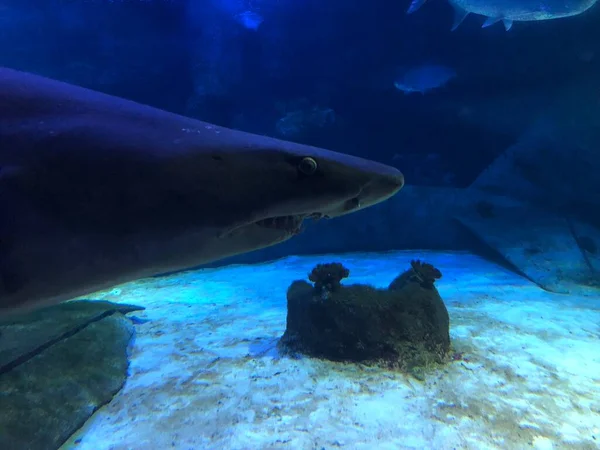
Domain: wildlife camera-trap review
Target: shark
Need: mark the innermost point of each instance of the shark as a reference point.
(509, 11)
(97, 190)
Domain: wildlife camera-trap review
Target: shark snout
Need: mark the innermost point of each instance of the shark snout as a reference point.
(379, 184)
(382, 187)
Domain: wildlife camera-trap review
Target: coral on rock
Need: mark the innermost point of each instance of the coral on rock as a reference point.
(327, 277)
(423, 273)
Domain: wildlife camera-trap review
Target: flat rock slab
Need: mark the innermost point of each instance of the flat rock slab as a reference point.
(544, 248)
(57, 366)
(26, 335)
(588, 238)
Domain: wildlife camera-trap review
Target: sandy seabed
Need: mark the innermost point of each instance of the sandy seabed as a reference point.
(205, 372)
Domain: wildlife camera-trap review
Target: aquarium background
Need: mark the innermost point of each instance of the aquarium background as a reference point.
(322, 73)
(501, 160)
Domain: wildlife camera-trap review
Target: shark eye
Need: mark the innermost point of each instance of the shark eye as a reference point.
(307, 166)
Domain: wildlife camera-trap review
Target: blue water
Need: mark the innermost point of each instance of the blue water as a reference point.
(499, 144)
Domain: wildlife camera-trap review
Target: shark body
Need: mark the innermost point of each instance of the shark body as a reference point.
(96, 190)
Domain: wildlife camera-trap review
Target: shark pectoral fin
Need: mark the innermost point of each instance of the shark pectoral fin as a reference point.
(459, 16)
(414, 5)
(490, 21)
(507, 24)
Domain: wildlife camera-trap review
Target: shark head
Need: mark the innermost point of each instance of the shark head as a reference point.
(115, 191)
(282, 189)
(267, 190)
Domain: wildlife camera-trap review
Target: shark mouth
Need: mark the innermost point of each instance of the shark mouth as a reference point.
(291, 224)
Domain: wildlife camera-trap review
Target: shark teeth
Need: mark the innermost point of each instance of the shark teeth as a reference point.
(291, 224)
(287, 223)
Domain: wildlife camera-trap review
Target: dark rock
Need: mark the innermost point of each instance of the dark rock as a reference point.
(405, 326)
(59, 365)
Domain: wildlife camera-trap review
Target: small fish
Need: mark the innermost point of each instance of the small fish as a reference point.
(249, 20)
(509, 11)
(424, 78)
